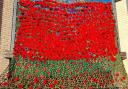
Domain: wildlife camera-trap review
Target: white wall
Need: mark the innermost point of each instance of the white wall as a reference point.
(122, 17)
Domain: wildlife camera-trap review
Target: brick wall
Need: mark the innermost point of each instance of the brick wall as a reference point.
(6, 27)
(1, 8)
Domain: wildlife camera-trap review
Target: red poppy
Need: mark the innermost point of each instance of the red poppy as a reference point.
(94, 80)
(35, 80)
(44, 82)
(44, 68)
(76, 87)
(84, 82)
(55, 82)
(30, 87)
(16, 79)
(102, 85)
(4, 84)
(50, 85)
(90, 87)
(116, 74)
(123, 78)
(36, 71)
(17, 64)
(62, 86)
(8, 75)
(20, 86)
(41, 76)
(28, 76)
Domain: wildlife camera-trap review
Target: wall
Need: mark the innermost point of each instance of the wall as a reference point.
(1, 8)
(5, 37)
(122, 17)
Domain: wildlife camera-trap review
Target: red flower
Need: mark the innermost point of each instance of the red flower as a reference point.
(76, 87)
(35, 80)
(44, 82)
(113, 58)
(102, 85)
(62, 86)
(36, 71)
(55, 82)
(20, 86)
(90, 87)
(30, 87)
(50, 85)
(17, 64)
(41, 76)
(94, 80)
(28, 76)
(112, 81)
(16, 79)
(4, 84)
(48, 73)
(116, 74)
(8, 75)
(84, 82)
(44, 68)
(123, 78)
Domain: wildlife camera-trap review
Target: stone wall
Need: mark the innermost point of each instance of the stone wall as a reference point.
(122, 17)
(6, 28)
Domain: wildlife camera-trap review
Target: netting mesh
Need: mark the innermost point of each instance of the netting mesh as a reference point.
(63, 45)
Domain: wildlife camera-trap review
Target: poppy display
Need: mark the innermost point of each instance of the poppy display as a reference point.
(51, 30)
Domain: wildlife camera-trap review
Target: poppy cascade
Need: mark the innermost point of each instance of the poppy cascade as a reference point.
(51, 30)
(65, 46)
